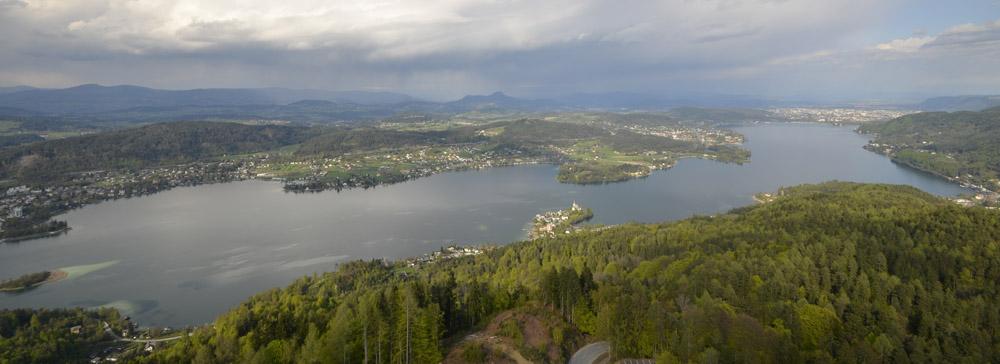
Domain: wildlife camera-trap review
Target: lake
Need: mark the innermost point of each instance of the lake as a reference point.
(186, 255)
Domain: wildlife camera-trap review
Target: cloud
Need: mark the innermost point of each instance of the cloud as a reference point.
(964, 37)
(969, 36)
(801, 58)
(906, 45)
(444, 48)
(959, 60)
(720, 34)
(12, 3)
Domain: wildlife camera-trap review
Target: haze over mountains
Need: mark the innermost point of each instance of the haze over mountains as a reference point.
(961, 103)
(126, 103)
(91, 98)
(96, 98)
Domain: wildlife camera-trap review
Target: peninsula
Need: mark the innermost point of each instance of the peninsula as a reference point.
(30, 280)
(552, 223)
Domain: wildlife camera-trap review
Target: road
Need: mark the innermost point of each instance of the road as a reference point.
(119, 338)
(595, 353)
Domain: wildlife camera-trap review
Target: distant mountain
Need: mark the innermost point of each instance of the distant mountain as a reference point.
(286, 96)
(960, 103)
(96, 104)
(615, 100)
(10, 90)
(641, 101)
(721, 115)
(95, 98)
(497, 100)
(307, 111)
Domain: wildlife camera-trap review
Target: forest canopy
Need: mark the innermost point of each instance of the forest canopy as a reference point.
(836, 272)
(957, 145)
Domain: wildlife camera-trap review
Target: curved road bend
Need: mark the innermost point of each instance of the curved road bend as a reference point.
(595, 353)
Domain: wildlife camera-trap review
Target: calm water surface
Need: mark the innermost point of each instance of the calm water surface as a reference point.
(184, 256)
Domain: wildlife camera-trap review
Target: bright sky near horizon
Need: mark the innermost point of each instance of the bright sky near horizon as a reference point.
(824, 49)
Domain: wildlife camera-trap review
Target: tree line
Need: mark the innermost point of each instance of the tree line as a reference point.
(837, 272)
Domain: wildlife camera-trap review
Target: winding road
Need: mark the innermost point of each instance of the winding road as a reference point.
(594, 353)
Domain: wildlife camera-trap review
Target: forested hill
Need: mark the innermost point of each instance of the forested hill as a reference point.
(959, 103)
(833, 272)
(155, 144)
(963, 144)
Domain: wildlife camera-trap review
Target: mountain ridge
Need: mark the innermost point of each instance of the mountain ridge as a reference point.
(94, 98)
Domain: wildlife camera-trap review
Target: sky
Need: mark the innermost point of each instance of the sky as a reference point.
(444, 49)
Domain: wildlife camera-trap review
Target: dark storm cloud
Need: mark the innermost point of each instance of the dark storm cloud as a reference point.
(451, 47)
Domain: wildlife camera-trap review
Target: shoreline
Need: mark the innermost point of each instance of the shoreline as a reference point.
(35, 236)
(54, 276)
(961, 182)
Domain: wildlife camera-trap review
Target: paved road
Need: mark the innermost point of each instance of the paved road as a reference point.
(119, 338)
(596, 353)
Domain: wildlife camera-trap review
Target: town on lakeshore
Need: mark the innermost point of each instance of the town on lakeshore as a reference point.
(551, 223)
(499, 182)
(597, 148)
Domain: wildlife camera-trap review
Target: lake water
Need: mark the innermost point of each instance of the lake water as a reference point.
(184, 256)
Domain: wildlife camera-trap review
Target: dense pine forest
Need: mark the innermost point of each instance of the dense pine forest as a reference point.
(837, 272)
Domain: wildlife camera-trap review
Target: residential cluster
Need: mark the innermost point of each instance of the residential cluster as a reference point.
(449, 252)
(552, 223)
(707, 136)
(838, 115)
(131, 342)
(36, 204)
(990, 200)
(372, 169)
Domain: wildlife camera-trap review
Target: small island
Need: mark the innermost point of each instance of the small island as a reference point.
(552, 223)
(598, 173)
(31, 280)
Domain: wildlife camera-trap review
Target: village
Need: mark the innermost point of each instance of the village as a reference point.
(445, 253)
(25, 210)
(371, 169)
(552, 223)
(707, 136)
(23, 206)
(838, 115)
(430, 159)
